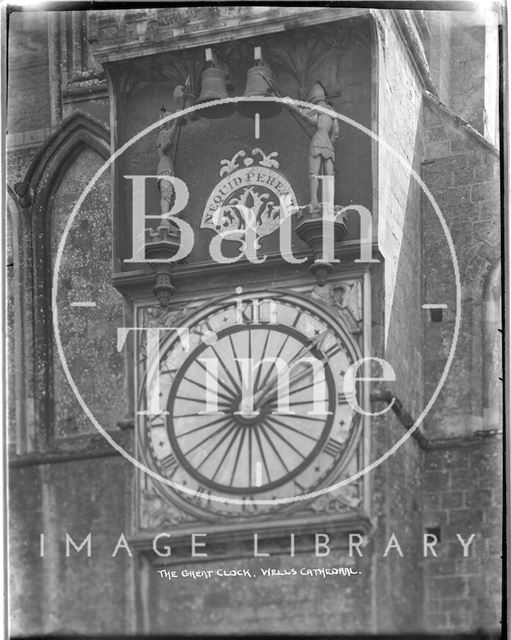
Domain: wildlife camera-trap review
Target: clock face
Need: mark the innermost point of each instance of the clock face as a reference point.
(256, 405)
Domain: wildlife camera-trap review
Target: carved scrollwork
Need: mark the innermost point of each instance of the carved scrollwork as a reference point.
(291, 56)
(228, 166)
(171, 317)
(342, 500)
(156, 513)
(343, 37)
(326, 505)
(177, 68)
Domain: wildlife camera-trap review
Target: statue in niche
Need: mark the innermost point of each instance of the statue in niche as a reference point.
(321, 153)
(166, 147)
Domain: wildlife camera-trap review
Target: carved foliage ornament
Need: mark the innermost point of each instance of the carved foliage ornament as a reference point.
(250, 184)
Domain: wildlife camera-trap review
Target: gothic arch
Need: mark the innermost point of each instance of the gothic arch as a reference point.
(77, 133)
(492, 349)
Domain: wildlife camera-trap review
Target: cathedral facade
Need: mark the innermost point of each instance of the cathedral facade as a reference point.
(254, 305)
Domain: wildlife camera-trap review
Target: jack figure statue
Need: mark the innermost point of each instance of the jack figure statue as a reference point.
(321, 153)
(166, 145)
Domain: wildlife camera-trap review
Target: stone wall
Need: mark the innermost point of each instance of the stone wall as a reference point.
(463, 494)
(438, 52)
(462, 171)
(77, 495)
(399, 149)
(285, 603)
(88, 336)
(397, 333)
(463, 479)
(467, 68)
(74, 593)
(28, 88)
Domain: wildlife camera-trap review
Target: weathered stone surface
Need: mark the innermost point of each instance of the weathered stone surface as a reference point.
(75, 593)
(467, 509)
(476, 243)
(88, 335)
(28, 72)
(264, 604)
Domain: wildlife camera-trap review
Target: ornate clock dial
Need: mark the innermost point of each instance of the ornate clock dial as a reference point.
(250, 448)
(256, 408)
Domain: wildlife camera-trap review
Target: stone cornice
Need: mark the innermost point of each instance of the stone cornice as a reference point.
(71, 449)
(412, 28)
(122, 35)
(409, 25)
(237, 537)
(435, 103)
(202, 275)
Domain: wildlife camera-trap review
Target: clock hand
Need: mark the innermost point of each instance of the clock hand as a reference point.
(269, 394)
(269, 389)
(269, 385)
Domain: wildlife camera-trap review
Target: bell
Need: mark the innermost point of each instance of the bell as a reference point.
(259, 84)
(214, 87)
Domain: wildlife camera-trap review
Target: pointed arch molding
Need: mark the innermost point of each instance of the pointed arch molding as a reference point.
(18, 289)
(76, 133)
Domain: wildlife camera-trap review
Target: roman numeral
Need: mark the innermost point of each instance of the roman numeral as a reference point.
(248, 505)
(333, 350)
(333, 448)
(342, 398)
(256, 311)
(156, 422)
(169, 464)
(201, 493)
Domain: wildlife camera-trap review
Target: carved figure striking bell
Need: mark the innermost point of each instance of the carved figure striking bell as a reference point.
(260, 84)
(214, 87)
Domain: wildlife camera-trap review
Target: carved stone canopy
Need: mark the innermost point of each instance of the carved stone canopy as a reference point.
(285, 53)
(127, 34)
